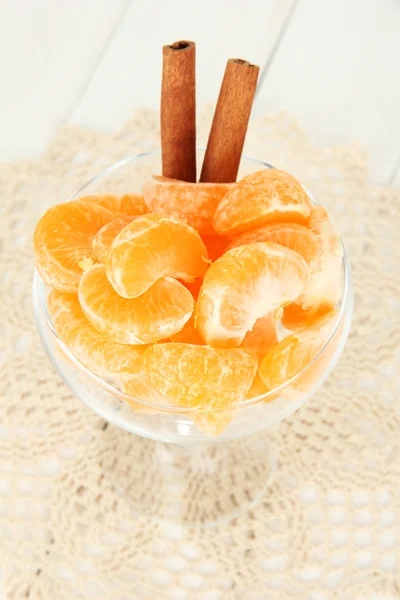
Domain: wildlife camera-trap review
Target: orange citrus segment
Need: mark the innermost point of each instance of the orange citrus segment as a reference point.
(138, 387)
(257, 388)
(325, 280)
(295, 352)
(323, 289)
(292, 235)
(263, 197)
(151, 247)
(244, 285)
(90, 347)
(128, 204)
(199, 376)
(188, 334)
(155, 315)
(216, 245)
(263, 335)
(296, 317)
(320, 224)
(63, 238)
(194, 287)
(194, 203)
(104, 238)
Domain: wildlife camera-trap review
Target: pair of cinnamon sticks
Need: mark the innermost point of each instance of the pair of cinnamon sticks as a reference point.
(178, 117)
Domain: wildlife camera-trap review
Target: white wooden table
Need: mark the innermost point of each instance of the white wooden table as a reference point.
(332, 63)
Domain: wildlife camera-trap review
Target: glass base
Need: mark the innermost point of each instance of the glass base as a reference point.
(197, 485)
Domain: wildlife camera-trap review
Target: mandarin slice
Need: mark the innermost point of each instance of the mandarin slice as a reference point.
(139, 388)
(188, 334)
(199, 376)
(323, 289)
(216, 245)
(194, 203)
(263, 197)
(245, 284)
(294, 353)
(295, 316)
(104, 238)
(63, 238)
(151, 247)
(194, 287)
(292, 235)
(320, 223)
(128, 204)
(257, 388)
(90, 347)
(262, 336)
(155, 315)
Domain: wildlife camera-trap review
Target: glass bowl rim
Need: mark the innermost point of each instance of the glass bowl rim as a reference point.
(39, 292)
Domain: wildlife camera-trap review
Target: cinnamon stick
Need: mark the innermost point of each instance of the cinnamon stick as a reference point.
(178, 111)
(231, 118)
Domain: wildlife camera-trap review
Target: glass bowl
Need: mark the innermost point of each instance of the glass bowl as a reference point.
(184, 445)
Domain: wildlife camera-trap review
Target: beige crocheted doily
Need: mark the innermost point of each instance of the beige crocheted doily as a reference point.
(329, 526)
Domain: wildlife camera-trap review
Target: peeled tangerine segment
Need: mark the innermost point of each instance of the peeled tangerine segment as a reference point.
(244, 285)
(194, 287)
(151, 247)
(200, 377)
(295, 352)
(104, 238)
(127, 204)
(188, 334)
(324, 287)
(91, 348)
(216, 245)
(292, 235)
(139, 388)
(194, 203)
(263, 335)
(213, 381)
(257, 388)
(263, 197)
(155, 315)
(63, 239)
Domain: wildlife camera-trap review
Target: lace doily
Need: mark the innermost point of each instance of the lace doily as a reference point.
(329, 526)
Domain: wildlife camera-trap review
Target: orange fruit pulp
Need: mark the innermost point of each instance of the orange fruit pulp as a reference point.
(323, 289)
(63, 239)
(262, 336)
(216, 245)
(194, 203)
(104, 238)
(125, 205)
(244, 285)
(188, 334)
(155, 315)
(200, 377)
(292, 235)
(139, 388)
(91, 348)
(262, 197)
(151, 247)
(294, 353)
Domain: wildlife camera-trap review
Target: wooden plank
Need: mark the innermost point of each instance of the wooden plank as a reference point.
(129, 76)
(48, 50)
(336, 69)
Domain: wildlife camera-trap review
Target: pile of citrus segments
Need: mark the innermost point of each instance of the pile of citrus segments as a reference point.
(194, 295)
